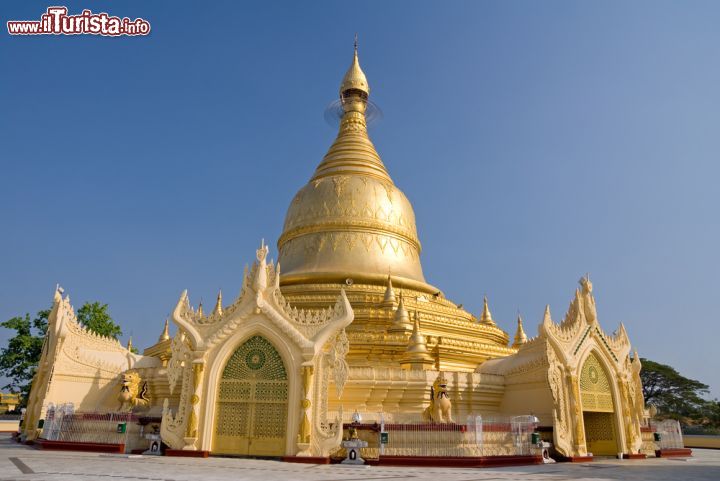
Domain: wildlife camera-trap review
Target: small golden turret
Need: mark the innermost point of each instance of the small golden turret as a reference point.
(200, 310)
(417, 356)
(161, 349)
(401, 321)
(166, 332)
(486, 317)
(129, 344)
(389, 299)
(218, 305)
(520, 337)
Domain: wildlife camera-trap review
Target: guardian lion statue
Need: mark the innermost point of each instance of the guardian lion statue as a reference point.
(132, 394)
(440, 408)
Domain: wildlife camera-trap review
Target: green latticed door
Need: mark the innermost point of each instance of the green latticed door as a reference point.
(251, 416)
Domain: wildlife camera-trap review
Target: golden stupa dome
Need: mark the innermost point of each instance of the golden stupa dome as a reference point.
(351, 221)
(351, 228)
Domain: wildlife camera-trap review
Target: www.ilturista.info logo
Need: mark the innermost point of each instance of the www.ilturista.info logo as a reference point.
(57, 22)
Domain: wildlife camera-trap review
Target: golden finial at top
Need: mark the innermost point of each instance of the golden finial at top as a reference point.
(416, 355)
(401, 319)
(520, 336)
(417, 343)
(218, 311)
(486, 316)
(355, 78)
(166, 332)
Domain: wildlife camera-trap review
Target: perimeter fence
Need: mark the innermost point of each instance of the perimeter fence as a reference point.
(668, 434)
(402, 434)
(63, 423)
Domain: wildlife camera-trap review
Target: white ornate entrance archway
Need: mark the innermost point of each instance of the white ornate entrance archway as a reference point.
(253, 375)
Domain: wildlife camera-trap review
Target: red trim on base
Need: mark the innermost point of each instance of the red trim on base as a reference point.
(182, 453)
(306, 459)
(674, 453)
(635, 456)
(87, 447)
(460, 462)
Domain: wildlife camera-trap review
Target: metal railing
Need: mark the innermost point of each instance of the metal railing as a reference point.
(62, 423)
(403, 434)
(669, 432)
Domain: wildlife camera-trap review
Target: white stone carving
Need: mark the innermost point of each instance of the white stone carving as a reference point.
(319, 335)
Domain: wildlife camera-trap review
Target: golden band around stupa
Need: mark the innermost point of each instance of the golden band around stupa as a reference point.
(346, 322)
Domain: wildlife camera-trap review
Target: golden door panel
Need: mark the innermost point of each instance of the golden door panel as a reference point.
(595, 387)
(598, 408)
(251, 416)
(600, 433)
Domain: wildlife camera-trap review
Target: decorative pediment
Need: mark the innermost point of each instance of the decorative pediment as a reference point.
(63, 322)
(315, 343)
(580, 325)
(309, 329)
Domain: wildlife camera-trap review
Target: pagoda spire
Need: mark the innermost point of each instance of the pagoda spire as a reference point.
(520, 337)
(417, 340)
(355, 78)
(417, 355)
(486, 317)
(200, 310)
(352, 151)
(389, 299)
(166, 332)
(218, 304)
(401, 321)
(352, 173)
(129, 344)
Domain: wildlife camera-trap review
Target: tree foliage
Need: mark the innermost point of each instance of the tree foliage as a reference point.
(19, 360)
(673, 394)
(95, 317)
(678, 397)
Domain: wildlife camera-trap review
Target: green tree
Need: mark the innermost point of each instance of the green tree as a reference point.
(18, 361)
(673, 394)
(95, 317)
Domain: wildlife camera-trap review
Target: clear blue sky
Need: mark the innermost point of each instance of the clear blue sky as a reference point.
(537, 141)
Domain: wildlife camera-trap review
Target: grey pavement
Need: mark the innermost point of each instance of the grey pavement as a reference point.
(18, 462)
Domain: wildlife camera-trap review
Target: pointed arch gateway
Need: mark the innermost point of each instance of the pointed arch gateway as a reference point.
(598, 408)
(252, 403)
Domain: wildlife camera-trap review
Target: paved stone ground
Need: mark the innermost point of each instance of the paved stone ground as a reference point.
(19, 462)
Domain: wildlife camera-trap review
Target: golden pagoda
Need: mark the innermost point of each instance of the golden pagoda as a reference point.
(350, 227)
(272, 372)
